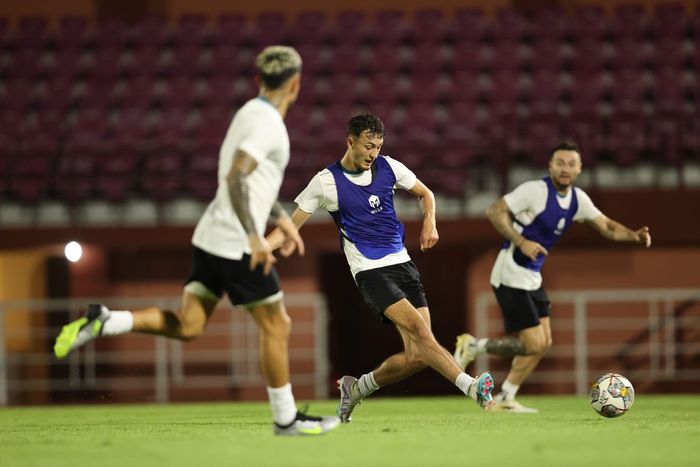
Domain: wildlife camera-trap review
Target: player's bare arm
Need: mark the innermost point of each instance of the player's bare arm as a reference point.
(429, 234)
(276, 238)
(291, 239)
(242, 166)
(613, 230)
(501, 218)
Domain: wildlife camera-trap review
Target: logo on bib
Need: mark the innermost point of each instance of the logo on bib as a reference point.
(560, 226)
(374, 203)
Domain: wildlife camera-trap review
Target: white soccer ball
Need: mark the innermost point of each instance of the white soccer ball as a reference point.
(612, 395)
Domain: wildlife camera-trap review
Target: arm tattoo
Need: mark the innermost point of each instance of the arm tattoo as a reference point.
(277, 211)
(238, 193)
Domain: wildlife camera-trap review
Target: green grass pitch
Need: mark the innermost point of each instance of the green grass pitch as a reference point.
(658, 431)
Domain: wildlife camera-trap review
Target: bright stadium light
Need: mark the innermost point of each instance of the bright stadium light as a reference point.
(73, 251)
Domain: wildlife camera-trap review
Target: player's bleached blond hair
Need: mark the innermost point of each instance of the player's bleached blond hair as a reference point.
(276, 64)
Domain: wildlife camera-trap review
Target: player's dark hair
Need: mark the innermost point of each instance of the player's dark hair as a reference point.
(368, 122)
(567, 146)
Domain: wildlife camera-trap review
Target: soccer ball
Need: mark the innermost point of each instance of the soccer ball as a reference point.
(612, 395)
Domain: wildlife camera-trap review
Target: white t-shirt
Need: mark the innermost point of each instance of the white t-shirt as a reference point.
(526, 202)
(259, 130)
(321, 192)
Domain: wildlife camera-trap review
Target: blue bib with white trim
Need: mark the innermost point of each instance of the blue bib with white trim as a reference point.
(366, 215)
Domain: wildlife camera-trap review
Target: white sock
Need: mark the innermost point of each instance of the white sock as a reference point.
(481, 345)
(284, 409)
(463, 382)
(508, 391)
(119, 322)
(367, 384)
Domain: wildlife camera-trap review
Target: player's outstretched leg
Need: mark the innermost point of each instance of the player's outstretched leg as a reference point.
(350, 397)
(465, 350)
(81, 331)
(307, 425)
(480, 391)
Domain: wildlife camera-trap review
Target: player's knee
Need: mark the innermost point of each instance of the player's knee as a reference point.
(547, 344)
(416, 363)
(278, 326)
(535, 347)
(420, 331)
(189, 333)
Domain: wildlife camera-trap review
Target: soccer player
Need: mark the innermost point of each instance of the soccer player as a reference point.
(230, 253)
(532, 218)
(358, 192)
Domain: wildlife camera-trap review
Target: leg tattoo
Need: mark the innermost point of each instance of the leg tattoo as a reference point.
(506, 346)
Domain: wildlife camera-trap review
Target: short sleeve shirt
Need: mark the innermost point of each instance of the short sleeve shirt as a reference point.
(526, 202)
(321, 193)
(259, 130)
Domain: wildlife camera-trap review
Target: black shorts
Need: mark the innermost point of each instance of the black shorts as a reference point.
(382, 287)
(522, 309)
(234, 277)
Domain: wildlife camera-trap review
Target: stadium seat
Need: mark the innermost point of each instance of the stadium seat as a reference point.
(546, 54)
(312, 28)
(201, 175)
(670, 20)
(392, 27)
(193, 30)
(664, 140)
(625, 142)
(471, 56)
(631, 54)
(506, 55)
(670, 92)
(430, 58)
(511, 25)
(161, 179)
(189, 59)
(75, 175)
(179, 92)
(628, 93)
(471, 24)
(630, 21)
(550, 24)
(536, 138)
(33, 33)
(30, 178)
(271, 29)
(670, 52)
(116, 175)
(591, 53)
(112, 32)
(73, 33)
(151, 31)
(430, 26)
(586, 131)
(355, 25)
(230, 30)
(586, 95)
(451, 183)
(346, 58)
(591, 23)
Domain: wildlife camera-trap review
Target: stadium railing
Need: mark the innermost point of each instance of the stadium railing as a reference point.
(222, 364)
(649, 335)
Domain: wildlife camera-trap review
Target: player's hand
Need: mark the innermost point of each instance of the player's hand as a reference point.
(428, 235)
(532, 249)
(261, 254)
(292, 239)
(643, 236)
